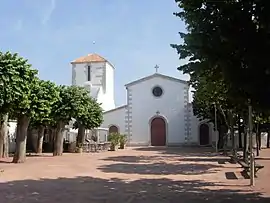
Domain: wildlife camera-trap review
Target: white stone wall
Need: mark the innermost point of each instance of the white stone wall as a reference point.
(102, 77)
(142, 106)
(115, 117)
(109, 78)
(79, 73)
(194, 137)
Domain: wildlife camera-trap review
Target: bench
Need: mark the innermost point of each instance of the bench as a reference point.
(246, 166)
(235, 158)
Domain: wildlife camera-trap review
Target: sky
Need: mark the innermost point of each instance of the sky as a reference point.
(133, 35)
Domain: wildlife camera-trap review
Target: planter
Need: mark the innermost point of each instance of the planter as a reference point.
(72, 147)
(122, 146)
(112, 147)
(122, 141)
(79, 150)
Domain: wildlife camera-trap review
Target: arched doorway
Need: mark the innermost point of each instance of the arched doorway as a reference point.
(158, 132)
(113, 129)
(204, 134)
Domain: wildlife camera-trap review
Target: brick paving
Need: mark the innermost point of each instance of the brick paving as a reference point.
(138, 175)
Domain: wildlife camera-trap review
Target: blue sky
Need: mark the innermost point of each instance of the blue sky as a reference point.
(133, 35)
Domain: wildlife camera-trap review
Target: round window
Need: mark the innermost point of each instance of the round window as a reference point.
(157, 91)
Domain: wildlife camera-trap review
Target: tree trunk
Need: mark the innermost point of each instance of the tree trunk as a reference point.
(81, 136)
(222, 136)
(4, 139)
(31, 143)
(245, 144)
(260, 139)
(40, 139)
(258, 135)
(232, 132)
(239, 133)
(21, 136)
(58, 139)
(268, 139)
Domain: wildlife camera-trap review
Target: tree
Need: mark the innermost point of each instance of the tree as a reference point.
(210, 93)
(218, 40)
(73, 103)
(44, 95)
(17, 78)
(219, 33)
(90, 117)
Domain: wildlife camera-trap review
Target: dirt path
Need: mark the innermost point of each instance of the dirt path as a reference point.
(137, 175)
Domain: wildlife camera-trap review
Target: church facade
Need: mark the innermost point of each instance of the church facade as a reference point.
(157, 112)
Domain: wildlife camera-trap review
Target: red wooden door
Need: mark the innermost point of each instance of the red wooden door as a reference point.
(158, 132)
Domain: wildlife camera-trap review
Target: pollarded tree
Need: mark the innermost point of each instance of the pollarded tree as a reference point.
(44, 95)
(17, 79)
(91, 117)
(62, 112)
(73, 103)
(8, 79)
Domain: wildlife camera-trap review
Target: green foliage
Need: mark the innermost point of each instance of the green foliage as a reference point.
(75, 102)
(122, 141)
(89, 113)
(65, 107)
(114, 138)
(225, 66)
(219, 36)
(44, 95)
(16, 80)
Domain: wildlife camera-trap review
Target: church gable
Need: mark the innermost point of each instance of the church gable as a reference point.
(157, 101)
(156, 75)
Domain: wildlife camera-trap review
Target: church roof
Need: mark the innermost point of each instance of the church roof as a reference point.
(115, 109)
(156, 75)
(91, 58)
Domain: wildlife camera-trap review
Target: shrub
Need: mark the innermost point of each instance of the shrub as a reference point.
(122, 141)
(114, 139)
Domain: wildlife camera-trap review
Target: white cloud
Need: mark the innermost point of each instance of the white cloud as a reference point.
(48, 12)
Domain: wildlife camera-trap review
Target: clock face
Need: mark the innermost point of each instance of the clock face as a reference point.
(157, 91)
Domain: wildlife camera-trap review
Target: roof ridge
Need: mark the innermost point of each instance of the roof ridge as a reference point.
(92, 57)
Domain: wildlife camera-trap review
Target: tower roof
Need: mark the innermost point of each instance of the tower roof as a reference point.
(90, 58)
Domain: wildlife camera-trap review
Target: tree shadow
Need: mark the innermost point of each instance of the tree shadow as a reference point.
(39, 155)
(230, 176)
(96, 190)
(180, 151)
(262, 158)
(131, 159)
(161, 168)
(146, 159)
(215, 160)
(6, 162)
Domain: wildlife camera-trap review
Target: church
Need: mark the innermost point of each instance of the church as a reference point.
(157, 110)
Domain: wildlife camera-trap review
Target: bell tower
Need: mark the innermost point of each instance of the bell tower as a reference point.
(97, 74)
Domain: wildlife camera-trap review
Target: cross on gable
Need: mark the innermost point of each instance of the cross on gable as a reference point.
(156, 67)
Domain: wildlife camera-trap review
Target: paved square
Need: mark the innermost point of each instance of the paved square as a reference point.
(138, 175)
